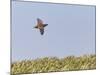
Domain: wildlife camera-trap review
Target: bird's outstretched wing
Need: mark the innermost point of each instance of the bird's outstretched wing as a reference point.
(42, 31)
(39, 21)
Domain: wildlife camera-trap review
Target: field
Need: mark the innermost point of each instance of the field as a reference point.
(54, 64)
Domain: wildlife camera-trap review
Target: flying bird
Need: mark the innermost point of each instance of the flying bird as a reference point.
(40, 25)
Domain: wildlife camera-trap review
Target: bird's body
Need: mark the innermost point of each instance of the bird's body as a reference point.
(40, 26)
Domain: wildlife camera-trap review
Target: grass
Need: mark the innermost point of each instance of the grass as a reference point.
(54, 64)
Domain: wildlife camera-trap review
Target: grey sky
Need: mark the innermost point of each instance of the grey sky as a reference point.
(70, 30)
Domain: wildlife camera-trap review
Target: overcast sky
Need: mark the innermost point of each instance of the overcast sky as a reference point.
(70, 30)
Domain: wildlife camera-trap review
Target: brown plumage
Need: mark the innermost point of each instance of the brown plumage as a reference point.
(40, 26)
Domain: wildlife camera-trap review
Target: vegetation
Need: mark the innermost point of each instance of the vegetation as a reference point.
(54, 64)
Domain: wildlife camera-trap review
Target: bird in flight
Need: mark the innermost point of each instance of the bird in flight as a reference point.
(40, 25)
